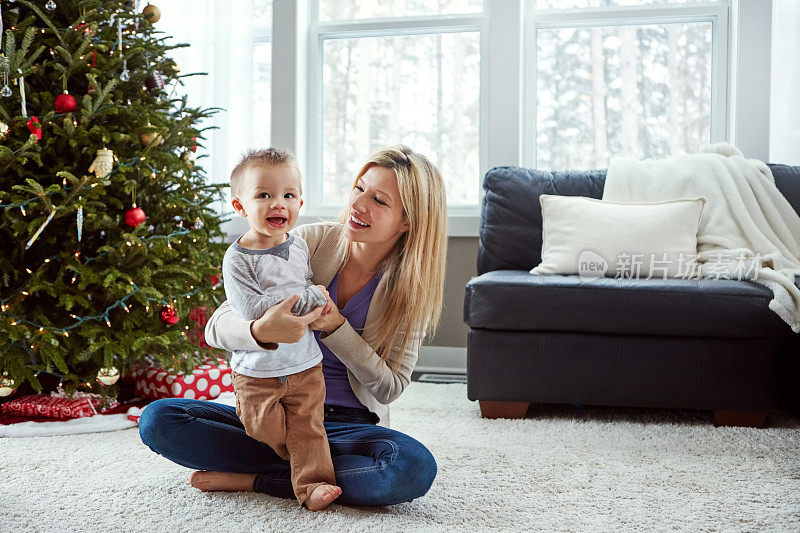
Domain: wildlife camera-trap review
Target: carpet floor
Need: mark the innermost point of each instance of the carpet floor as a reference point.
(594, 469)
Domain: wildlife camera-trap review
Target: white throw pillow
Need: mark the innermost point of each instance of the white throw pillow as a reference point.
(595, 238)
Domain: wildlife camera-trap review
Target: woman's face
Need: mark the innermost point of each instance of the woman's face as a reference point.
(376, 212)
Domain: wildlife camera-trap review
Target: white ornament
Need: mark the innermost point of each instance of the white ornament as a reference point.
(103, 163)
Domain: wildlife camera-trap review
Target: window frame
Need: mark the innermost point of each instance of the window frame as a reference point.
(263, 35)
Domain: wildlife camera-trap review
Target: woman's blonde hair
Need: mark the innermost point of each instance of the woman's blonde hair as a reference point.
(416, 265)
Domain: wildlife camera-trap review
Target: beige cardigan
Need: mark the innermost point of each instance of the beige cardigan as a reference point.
(374, 383)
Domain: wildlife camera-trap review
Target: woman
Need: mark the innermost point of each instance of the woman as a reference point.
(383, 263)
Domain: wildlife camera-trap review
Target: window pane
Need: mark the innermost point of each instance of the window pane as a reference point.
(262, 91)
(419, 90)
(365, 9)
(573, 4)
(262, 13)
(642, 91)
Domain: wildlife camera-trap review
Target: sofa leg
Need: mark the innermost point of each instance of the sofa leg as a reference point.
(751, 419)
(503, 409)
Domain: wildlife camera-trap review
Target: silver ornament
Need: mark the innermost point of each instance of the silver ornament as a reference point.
(50, 5)
(7, 385)
(108, 376)
(79, 221)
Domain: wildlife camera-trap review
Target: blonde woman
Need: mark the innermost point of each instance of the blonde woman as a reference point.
(383, 264)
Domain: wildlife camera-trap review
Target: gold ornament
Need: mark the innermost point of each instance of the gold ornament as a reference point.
(3, 130)
(150, 136)
(188, 158)
(7, 385)
(151, 13)
(103, 163)
(108, 376)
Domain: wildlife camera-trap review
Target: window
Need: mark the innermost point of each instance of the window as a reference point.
(475, 84)
(395, 72)
(237, 60)
(639, 80)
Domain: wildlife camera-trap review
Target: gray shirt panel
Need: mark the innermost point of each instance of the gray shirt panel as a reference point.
(255, 280)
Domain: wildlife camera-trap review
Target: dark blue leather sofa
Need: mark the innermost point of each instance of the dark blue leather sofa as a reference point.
(675, 343)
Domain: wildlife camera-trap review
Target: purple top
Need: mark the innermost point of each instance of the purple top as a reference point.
(337, 386)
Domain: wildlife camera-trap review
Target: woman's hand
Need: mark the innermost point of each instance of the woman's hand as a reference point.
(330, 320)
(278, 324)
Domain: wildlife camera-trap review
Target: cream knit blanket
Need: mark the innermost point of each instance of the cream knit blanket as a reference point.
(748, 228)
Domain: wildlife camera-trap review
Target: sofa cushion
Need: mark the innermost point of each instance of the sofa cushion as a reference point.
(518, 301)
(660, 236)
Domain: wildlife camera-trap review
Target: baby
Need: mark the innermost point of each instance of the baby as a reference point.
(279, 391)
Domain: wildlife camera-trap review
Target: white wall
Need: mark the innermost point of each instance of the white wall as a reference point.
(785, 86)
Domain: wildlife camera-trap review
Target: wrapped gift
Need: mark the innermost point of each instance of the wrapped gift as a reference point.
(207, 381)
(56, 405)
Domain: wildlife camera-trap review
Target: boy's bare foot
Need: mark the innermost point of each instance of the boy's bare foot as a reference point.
(228, 481)
(322, 497)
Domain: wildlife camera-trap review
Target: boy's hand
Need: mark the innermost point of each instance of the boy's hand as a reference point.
(329, 304)
(330, 320)
(278, 324)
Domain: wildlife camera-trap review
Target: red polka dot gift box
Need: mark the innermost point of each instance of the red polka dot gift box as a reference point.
(206, 382)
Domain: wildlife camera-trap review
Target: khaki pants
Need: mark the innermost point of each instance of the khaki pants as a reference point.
(287, 414)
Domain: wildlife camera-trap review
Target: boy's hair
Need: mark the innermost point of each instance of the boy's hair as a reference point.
(268, 158)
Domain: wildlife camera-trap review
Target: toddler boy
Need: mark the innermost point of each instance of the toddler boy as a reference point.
(279, 392)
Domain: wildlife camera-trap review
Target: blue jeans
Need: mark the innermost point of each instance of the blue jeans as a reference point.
(374, 465)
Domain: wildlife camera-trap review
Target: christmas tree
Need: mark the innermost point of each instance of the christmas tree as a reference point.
(108, 236)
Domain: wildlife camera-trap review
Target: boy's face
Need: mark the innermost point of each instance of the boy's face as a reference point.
(269, 199)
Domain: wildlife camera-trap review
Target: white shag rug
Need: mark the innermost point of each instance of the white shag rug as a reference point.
(596, 469)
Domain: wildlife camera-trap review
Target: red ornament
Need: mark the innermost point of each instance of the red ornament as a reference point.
(194, 148)
(168, 315)
(65, 103)
(214, 279)
(33, 125)
(134, 216)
